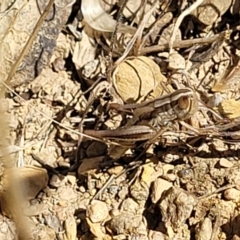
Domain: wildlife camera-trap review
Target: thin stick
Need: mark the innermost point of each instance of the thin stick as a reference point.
(183, 43)
(207, 195)
(29, 42)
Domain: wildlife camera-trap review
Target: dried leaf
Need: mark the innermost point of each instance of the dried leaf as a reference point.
(138, 78)
(89, 165)
(229, 80)
(98, 19)
(230, 108)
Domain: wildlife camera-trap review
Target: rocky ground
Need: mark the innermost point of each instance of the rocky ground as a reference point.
(61, 181)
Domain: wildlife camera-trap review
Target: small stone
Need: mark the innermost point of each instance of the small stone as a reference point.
(185, 174)
(155, 235)
(97, 211)
(82, 189)
(214, 100)
(223, 162)
(204, 230)
(129, 205)
(114, 212)
(179, 204)
(125, 222)
(158, 187)
(171, 177)
(232, 194)
(167, 168)
(113, 189)
(233, 177)
(62, 203)
(170, 157)
(235, 237)
(123, 192)
(115, 170)
(93, 192)
(67, 194)
(70, 228)
(56, 181)
(58, 64)
(219, 145)
(71, 177)
(139, 191)
(86, 195)
(83, 203)
(89, 68)
(148, 171)
(108, 201)
(176, 61)
(63, 164)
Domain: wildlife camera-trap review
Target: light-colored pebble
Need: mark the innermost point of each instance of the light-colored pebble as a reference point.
(67, 194)
(170, 177)
(114, 212)
(204, 230)
(129, 205)
(70, 228)
(86, 195)
(97, 211)
(223, 162)
(156, 235)
(159, 186)
(148, 173)
(125, 222)
(108, 201)
(167, 167)
(176, 61)
(71, 177)
(232, 194)
(219, 145)
(168, 158)
(93, 191)
(115, 170)
(56, 181)
(82, 189)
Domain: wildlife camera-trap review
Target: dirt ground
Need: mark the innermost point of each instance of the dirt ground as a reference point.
(99, 137)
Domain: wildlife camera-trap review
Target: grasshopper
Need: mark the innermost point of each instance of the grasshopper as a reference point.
(159, 112)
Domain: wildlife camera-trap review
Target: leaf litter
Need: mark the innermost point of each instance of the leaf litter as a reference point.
(184, 184)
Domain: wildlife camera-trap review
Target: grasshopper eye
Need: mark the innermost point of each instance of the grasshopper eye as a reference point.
(183, 102)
